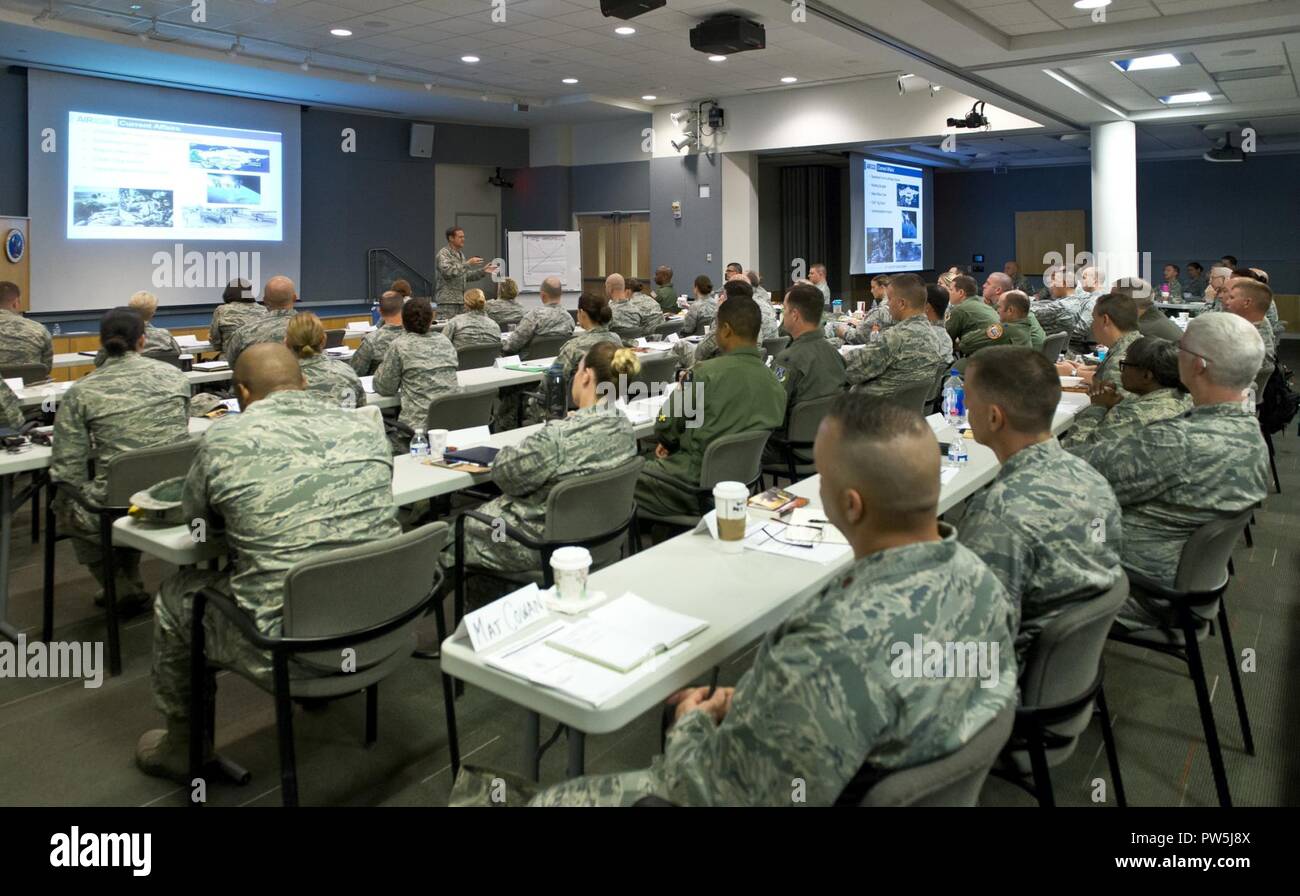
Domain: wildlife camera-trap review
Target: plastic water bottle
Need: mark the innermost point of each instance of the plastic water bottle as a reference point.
(837, 307)
(957, 450)
(1102, 352)
(374, 314)
(954, 400)
(419, 445)
(58, 330)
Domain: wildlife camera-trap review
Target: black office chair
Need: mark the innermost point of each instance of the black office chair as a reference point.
(334, 338)
(472, 357)
(795, 444)
(543, 347)
(166, 356)
(31, 373)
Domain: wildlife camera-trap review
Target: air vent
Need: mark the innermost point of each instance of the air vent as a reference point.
(1250, 74)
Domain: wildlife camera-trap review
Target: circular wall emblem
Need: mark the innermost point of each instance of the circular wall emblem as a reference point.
(15, 245)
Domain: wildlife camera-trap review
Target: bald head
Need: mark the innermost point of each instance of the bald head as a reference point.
(551, 290)
(265, 368)
(615, 288)
(996, 284)
(879, 464)
(279, 293)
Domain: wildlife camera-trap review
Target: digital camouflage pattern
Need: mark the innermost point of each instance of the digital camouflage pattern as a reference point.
(10, 407)
(877, 315)
(417, 368)
(593, 440)
(1174, 475)
(230, 317)
(374, 345)
(24, 341)
(1270, 357)
(576, 348)
(1153, 322)
(270, 327)
(1049, 528)
(734, 393)
(641, 313)
(472, 328)
(1071, 314)
(334, 381)
(1108, 370)
(770, 327)
(942, 341)
(286, 480)
(1095, 423)
(454, 276)
(548, 320)
(506, 312)
(155, 340)
(822, 699)
(699, 314)
(904, 356)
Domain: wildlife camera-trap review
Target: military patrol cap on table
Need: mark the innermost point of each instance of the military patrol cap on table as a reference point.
(160, 503)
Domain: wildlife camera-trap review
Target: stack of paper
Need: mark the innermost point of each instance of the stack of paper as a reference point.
(368, 383)
(211, 365)
(624, 633)
(187, 341)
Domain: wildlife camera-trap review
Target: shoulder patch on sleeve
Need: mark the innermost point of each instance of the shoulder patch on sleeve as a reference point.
(780, 374)
(994, 332)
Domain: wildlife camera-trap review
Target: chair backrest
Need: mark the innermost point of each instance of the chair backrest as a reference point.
(1063, 662)
(774, 346)
(1053, 345)
(133, 471)
(669, 326)
(352, 589)
(733, 458)
(630, 332)
(937, 389)
(460, 410)
(543, 347)
(472, 357)
(1203, 566)
(334, 338)
(590, 506)
(914, 396)
(166, 356)
(953, 780)
(31, 373)
(657, 370)
(806, 416)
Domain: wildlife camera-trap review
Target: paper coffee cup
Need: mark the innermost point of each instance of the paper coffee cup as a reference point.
(862, 307)
(437, 442)
(730, 500)
(570, 567)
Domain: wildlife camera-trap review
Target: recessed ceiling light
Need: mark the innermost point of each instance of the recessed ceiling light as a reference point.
(789, 79)
(469, 59)
(1191, 96)
(340, 32)
(717, 58)
(1091, 4)
(135, 6)
(625, 30)
(649, 97)
(569, 80)
(1145, 63)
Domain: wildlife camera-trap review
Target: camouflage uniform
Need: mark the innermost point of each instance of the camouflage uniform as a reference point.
(230, 317)
(24, 341)
(417, 368)
(473, 328)
(770, 328)
(877, 315)
(576, 348)
(506, 312)
(1071, 314)
(640, 312)
(1175, 290)
(1153, 322)
(11, 410)
(334, 381)
(1196, 288)
(1095, 422)
(454, 275)
(823, 697)
(626, 322)
(1021, 282)
(270, 327)
(1012, 332)
(1049, 528)
(904, 356)
(1108, 370)
(942, 341)
(1270, 357)
(734, 393)
(286, 480)
(370, 353)
(548, 320)
(130, 402)
(825, 289)
(155, 340)
(1173, 476)
(699, 315)
(593, 440)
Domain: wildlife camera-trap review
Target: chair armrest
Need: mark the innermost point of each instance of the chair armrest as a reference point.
(1151, 588)
(675, 483)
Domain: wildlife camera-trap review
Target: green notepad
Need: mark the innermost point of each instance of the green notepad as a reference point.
(526, 368)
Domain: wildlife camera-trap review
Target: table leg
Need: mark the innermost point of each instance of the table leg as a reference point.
(532, 746)
(6, 531)
(577, 753)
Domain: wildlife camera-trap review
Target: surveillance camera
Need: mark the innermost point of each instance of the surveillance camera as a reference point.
(974, 118)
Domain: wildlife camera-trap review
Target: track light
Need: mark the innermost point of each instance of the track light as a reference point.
(305, 65)
(236, 48)
(372, 77)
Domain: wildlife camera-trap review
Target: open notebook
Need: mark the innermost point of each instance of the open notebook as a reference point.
(626, 632)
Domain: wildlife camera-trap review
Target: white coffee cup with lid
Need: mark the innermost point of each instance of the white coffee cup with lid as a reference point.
(730, 500)
(570, 567)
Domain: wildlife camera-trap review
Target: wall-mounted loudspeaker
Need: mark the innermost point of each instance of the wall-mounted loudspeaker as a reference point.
(422, 141)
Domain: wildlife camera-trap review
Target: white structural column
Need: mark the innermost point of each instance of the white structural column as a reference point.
(740, 208)
(1114, 200)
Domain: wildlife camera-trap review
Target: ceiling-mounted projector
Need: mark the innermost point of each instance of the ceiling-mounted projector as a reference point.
(628, 9)
(1225, 153)
(723, 35)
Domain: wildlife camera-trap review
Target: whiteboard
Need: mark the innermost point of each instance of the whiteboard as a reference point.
(534, 255)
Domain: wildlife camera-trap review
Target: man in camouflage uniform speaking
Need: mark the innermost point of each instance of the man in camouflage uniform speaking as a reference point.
(455, 271)
(827, 701)
(1049, 525)
(289, 478)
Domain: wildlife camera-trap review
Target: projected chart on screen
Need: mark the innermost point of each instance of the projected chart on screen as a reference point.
(137, 178)
(893, 217)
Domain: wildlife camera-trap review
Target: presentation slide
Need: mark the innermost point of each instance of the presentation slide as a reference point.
(892, 217)
(137, 178)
